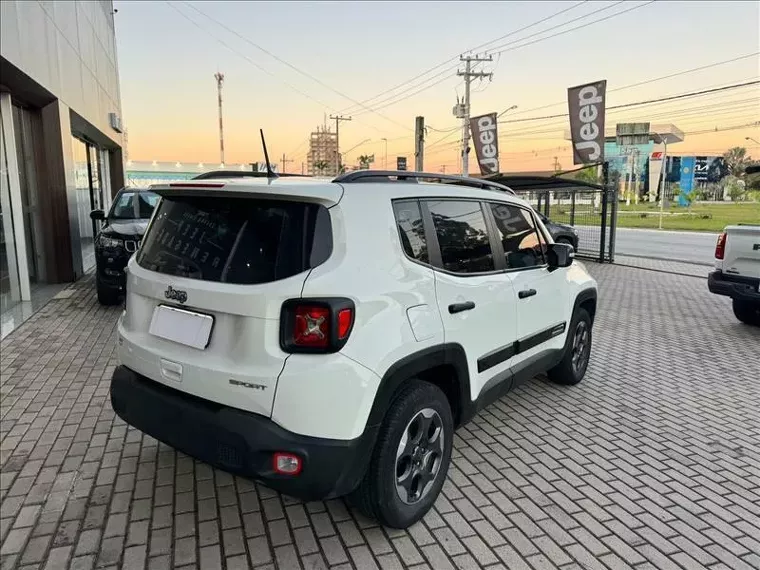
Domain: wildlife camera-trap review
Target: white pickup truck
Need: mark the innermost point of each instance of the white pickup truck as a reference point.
(737, 270)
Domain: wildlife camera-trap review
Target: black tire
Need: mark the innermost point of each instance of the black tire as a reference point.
(572, 367)
(747, 312)
(377, 495)
(106, 297)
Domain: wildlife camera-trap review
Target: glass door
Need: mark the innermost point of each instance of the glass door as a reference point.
(10, 289)
(84, 203)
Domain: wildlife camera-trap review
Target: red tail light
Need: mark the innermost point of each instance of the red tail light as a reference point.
(720, 247)
(311, 326)
(315, 325)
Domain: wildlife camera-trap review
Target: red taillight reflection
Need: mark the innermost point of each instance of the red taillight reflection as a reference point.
(720, 247)
(345, 320)
(312, 326)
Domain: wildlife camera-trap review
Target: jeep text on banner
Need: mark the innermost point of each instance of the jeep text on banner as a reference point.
(486, 139)
(586, 105)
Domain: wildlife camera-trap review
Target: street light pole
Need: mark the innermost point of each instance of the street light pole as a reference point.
(664, 177)
(385, 159)
(751, 139)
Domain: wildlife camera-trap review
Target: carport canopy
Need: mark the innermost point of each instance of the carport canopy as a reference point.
(519, 182)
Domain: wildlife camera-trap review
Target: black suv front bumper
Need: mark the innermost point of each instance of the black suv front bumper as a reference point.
(737, 287)
(111, 264)
(237, 441)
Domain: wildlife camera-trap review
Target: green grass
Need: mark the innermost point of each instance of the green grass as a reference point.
(698, 218)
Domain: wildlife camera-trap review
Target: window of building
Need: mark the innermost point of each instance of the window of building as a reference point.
(519, 238)
(411, 231)
(462, 236)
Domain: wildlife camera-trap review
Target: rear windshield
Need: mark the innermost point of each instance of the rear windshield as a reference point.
(130, 205)
(235, 240)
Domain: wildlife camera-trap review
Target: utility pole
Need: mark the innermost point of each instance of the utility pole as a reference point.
(219, 80)
(419, 143)
(385, 160)
(443, 169)
(338, 119)
(302, 169)
(556, 164)
(468, 75)
(284, 162)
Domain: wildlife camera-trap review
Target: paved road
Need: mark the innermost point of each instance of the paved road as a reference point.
(693, 247)
(653, 461)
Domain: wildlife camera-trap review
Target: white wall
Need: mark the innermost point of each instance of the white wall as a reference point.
(69, 48)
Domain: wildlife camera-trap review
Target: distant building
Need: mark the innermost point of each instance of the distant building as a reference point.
(140, 174)
(323, 151)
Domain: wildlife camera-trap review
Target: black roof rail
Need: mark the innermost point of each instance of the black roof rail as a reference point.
(410, 175)
(237, 174)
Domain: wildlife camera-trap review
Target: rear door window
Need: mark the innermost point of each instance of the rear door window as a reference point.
(462, 236)
(411, 230)
(235, 240)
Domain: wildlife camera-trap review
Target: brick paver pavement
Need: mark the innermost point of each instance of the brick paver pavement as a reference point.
(652, 462)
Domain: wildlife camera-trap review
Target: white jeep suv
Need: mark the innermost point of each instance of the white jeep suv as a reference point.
(327, 338)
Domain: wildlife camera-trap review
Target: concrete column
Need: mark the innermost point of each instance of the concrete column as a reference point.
(116, 169)
(60, 194)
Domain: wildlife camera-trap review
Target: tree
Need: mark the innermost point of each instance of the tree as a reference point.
(736, 161)
(735, 187)
(689, 196)
(588, 175)
(320, 166)
(364, 161)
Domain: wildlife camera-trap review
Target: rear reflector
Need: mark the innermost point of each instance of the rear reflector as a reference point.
(345, 321)
(720, 247)
(287, 463)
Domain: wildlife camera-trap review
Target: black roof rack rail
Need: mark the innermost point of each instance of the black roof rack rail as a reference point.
(237, 174)
(410, 175)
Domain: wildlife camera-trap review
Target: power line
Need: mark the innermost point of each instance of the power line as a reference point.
(259, 67)
(639, 103)
(388, 101)
(645, 82)
(563, 32)
(293, 67)
(391, 102)
(512, 33)
(454, 58)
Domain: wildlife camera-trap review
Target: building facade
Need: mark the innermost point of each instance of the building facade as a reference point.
(61, 139)
(322, 159)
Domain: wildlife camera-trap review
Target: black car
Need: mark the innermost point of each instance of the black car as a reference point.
(561, 233)
(119, 238)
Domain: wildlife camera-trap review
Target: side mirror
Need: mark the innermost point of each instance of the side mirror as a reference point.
(98, 215)
(560, 255)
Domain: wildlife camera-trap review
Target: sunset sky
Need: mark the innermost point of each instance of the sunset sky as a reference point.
(357, 52)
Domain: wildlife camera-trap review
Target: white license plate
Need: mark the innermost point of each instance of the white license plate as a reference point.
(184, 327)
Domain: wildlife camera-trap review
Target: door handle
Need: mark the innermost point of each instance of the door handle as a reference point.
(459, 307)
(526, 293)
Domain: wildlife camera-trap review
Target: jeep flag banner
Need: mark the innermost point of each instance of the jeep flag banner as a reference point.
(486, 140)
(586, 105)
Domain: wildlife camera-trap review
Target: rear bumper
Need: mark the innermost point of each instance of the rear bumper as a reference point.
(734, 286)
(237, 441)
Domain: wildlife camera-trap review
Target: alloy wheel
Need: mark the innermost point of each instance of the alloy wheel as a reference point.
(419, 456)
(581, 346)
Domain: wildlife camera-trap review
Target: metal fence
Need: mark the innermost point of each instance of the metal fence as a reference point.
(590, 210)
